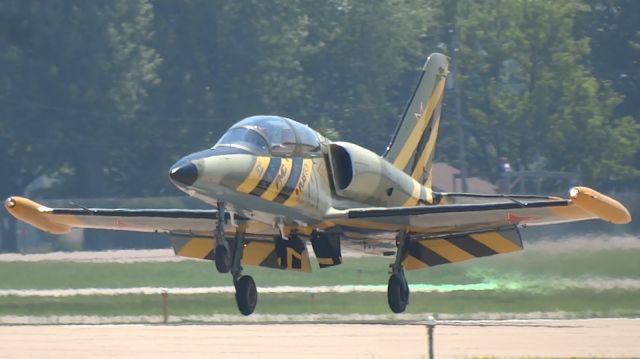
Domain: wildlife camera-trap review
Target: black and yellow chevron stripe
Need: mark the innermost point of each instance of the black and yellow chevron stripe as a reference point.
(282, 180)
(193, 247)
(418, 148)
(280, 254)
(457, 248)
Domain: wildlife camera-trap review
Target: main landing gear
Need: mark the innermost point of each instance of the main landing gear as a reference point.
(398, 288)
(228, 257)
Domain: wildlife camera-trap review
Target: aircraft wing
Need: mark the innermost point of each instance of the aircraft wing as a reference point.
(191, 231)
(483, 226)
(172, 221)
(583, 204)
(62, 220)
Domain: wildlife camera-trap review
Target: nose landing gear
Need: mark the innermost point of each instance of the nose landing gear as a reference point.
(228, 258)
(246, 292)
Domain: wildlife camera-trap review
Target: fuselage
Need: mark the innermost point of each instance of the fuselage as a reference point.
(278, 171)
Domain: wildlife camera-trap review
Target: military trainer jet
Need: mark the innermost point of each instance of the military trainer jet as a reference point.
(275, 185)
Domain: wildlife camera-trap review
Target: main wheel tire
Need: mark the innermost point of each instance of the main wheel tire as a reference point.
(223, 259)
(397, 293)
(246, 295)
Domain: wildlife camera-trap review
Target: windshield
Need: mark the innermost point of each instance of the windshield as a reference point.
(245, 137)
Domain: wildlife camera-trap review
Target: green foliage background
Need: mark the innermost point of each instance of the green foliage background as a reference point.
(104, 96)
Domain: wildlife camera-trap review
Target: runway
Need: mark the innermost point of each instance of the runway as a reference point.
(532, 338)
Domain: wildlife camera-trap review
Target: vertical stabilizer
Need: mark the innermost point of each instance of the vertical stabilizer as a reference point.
(413, 144)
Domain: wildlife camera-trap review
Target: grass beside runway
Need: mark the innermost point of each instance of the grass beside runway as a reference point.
(534, 264)
(582, 281)
(52, 274)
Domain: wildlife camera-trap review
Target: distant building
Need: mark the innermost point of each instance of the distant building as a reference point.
(446, 178)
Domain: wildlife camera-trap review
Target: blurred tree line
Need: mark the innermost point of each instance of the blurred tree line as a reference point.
(101, 97)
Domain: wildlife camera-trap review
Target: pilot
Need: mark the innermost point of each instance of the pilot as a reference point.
(257, 140)
(288, 137)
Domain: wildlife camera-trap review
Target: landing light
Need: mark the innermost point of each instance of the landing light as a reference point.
(573, 193)
(10, 202)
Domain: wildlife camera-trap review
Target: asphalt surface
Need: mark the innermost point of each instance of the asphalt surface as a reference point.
(533, 338)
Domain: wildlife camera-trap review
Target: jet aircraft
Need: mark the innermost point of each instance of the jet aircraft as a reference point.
(275, 184)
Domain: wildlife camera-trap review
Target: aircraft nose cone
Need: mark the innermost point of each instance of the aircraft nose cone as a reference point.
(185, 174)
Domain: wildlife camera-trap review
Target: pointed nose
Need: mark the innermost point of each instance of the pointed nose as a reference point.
(185, 174)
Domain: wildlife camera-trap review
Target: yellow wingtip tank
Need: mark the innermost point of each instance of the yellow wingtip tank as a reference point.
(33, 213)
(600, 205)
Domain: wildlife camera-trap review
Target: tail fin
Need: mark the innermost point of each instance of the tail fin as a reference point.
(413, 144)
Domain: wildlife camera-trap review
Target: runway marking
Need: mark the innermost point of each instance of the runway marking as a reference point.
(483, 319)
(547, 284)
(417, 288)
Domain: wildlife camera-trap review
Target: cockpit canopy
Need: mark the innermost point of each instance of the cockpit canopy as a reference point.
(274, 136)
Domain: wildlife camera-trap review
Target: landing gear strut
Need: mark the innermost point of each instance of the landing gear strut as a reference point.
(398, 288)
(222, 252)
(228, 257)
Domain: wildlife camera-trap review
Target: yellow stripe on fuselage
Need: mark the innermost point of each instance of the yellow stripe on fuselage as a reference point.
(415, 195)
(427, 196)
(279, 181)
(418, 130)
(302, 185)
(429, 183)
(256, 174)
